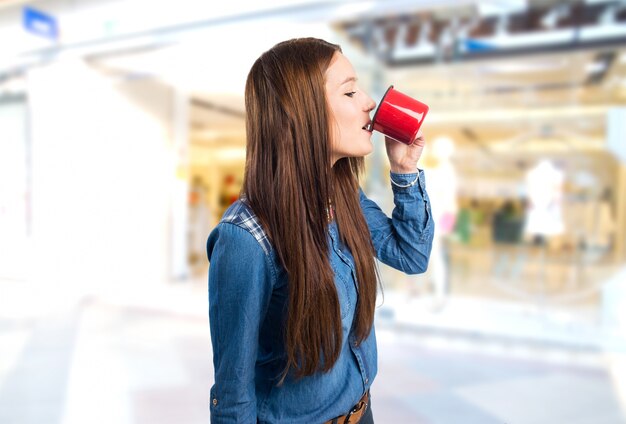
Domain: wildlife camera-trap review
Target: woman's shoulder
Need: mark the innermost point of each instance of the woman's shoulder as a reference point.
(237, 212)
(238, 244)
(241, 215)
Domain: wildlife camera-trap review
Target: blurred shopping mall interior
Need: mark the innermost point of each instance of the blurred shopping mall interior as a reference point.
(122, 143)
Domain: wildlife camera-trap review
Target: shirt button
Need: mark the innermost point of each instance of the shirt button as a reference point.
(214, 402)
(367, 380)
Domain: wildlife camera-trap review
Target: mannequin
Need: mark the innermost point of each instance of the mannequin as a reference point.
(544, 219)
(544, 187)
(599, 223)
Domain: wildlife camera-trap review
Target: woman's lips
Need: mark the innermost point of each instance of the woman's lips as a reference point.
(368, 127)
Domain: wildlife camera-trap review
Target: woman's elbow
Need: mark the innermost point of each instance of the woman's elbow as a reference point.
(416, 263)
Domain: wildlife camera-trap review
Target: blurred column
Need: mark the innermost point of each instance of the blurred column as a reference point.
(620, 234)
(14, 188)
(614, 290)
(616, 134)
(104, 166)
(180, 192)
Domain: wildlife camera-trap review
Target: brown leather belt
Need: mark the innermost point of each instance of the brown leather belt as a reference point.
(355, 414)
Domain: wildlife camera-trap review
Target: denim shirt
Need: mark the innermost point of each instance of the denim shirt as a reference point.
(248, 298)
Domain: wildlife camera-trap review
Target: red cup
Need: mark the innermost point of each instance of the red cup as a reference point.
(399, 116)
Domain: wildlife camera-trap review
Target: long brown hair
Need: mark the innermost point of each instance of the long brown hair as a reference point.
(289, 181)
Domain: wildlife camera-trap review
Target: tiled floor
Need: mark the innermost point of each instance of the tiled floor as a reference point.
(147, 359)
(422, 384)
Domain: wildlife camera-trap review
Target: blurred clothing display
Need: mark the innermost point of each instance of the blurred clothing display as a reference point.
(599, 224)
(507, 231)
(463, 225)
(544, 186)
(508, 224)
(200, 220)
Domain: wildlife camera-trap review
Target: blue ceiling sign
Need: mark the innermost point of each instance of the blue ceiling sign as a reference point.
(472, 45)
(40, 23)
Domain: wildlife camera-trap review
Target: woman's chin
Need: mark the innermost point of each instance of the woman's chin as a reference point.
(363, 150)
(369, 149)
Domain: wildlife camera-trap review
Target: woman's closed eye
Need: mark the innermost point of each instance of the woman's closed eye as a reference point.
(351, 93)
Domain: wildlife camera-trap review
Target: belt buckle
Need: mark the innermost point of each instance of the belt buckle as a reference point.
(359, 406)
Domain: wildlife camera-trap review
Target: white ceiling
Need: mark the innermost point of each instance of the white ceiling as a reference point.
(496, 99)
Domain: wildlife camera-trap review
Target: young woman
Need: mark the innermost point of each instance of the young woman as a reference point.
(292, 276)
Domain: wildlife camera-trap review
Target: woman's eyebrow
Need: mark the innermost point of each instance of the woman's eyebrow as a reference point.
(348, 80)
